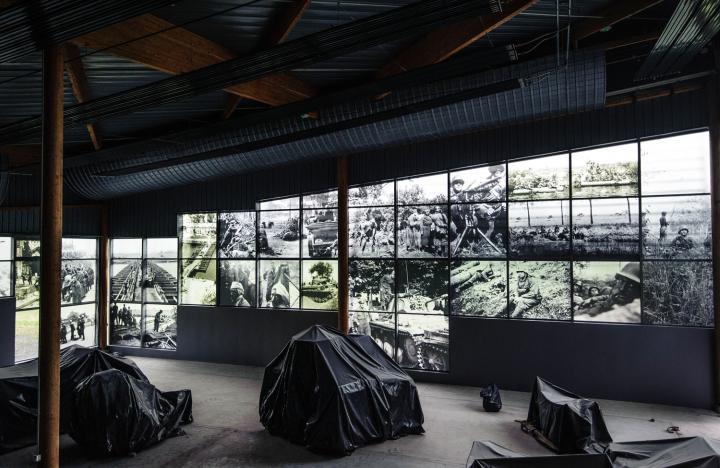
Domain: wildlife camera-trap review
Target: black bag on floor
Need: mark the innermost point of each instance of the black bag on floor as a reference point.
(492, 403)
(116, 414)
(485, 454)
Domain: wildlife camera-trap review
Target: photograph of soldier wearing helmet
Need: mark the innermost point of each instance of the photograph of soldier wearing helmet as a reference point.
(125, 324)
(422, 231)
(422, 287)
(544, 178)
(279, 284)
(678, 293)
(676, 227)
(606, 226)
(482, 184)
(279, 233)
(423, 342)
(320, 233)
(478, 230)
(372, 232)
(479, 288)
(78, 281)
(237, 235)
(319, 285)
(160, 327)
(237, 283)
(372, 285)
(539, 290)
(382, 194)
(539, 228)
(425, 190)
(77, 325)
(607, 291)
(605, 172)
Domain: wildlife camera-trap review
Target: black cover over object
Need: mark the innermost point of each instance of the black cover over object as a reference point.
(486, 454)
(689, 452)
(325, 391)
(19, 391)
(116, 414)
(570, 423)
(492, 403)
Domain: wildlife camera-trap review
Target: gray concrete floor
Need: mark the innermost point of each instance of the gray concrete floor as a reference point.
(226, 431)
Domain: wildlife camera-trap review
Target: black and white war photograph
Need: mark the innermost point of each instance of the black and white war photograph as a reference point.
(539, 290)
(5, 279)
(289, 203)
(606, 291)
(236, 238)
(478, 288)
(606, 226)
(611, 171)
(539, 228)
(161, 247)
(423, 190)
(379, 326)
(423, 342)
(320, 200)
(678, 293)
(481, 184)
(279, 284)
(126, 324)
(371, 285)
(675, 165)
(372, 232)
(319, 284)
(320, 233)
(77, 248)
(198, 239)
(78, 281)
(198, 235)
(27, 284)
(6, 248)
(160, 284)
(26, 248)
(422, 231)
(382, 194)
(160, 330)
(126, 280)
(422, 287)
(279, 234)
(126, 248)
(545, 178)
(478, 230)
(676, 227)
(77, 325)
(237, 283)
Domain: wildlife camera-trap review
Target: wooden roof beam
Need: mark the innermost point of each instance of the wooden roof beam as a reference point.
(81, 90)
(618, 11)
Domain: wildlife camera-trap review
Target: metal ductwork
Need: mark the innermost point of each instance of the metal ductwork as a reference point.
(579, 86)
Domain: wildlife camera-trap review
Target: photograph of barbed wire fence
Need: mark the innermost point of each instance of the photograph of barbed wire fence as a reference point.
(539, 290)
(606, 226)
(677, 227)
(678, 293)
(479, 288)
(539, 228)
(605, 172)
(546, 178)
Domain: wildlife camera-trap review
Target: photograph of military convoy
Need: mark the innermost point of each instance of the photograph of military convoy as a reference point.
(279, 234)
(545, 178)
(237, 234)
(606, 227)
(677, 227)
(605, 172)
(319, 285)
(539, 228)
(371, 232)
(607, 291)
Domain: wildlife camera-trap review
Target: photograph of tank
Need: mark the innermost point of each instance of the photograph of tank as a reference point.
(279, 234)
(422, 231)
(372, 285)
(678, 293)
(237, 234)
(319, 284)
(478, 230)
(126, 248)
(76, 248)
(478, 288)
(126, 280)
(677, 227)
(320, 200)
(606, 172)
(27, 284)
(372, 232)
(320, 233)
(279, 284)
(606, 226)
(160, 284)
(675, 165)
(382, 194)
(423, 342)
(237, 283)
(539, 290)
(77, 325)
(289, 203)
(422, 287)
(545, 178)
(379, 326)
(161, 247)
(423, 190)
(539, 228)
(481, 184)
(160, 330)
(5, 279)
(126, 324)
(606, 291)
(78, 281)
(27, 248)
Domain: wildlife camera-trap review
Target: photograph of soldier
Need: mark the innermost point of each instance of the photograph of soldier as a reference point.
(27, 284)
(127, 328)
(611, 171)
(160, 327)
(606, 291)
(372, 232)
(75, 248)
(545, 178)
(320, 233)
(423, 190)
(539, 290)
(279, 284)
(320, 200)
(198, 235)
(677, 227)
(539, 228)
(482, 184)
(237, 283)
(675, 165)
(79, 324)
(319, 285)
(379, 326)
(161, 247)
(423, 342)
(382, 194)
(197, 281)
(422, 231)
(606, 226)
(478, 230)
(160, 282)
(279, 234)
(126, 280)
(27, 248)
(422, 287)
(290, 203)
(5, 279)
(126, 248)
(78, 281)
(478, 288)
(678, 293)
(372, 285)
(237, 235)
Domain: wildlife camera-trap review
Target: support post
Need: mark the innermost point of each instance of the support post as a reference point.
(343, 277)
(714, 103)
(103, 278)
(51, 214)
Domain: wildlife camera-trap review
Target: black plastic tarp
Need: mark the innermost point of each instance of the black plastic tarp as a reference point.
(116, 414)
(689, 452)
(326, 392)
(487, 454)
(19, 391)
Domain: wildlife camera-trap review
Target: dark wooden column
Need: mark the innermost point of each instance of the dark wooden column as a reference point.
(342, 179)
(103, 278)
(51, 214)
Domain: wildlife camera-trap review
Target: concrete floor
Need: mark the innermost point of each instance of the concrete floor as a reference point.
(226, 431)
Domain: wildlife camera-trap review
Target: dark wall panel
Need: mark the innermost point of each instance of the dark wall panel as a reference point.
(7, 331)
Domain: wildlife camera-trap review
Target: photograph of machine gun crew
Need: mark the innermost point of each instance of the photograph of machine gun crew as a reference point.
(425, 190)
(539, 228)
(161, 247)
(545, 178)
(27, 284)
(606, 226)
(198, 239)
(160, 283)
(478, 230)
(126, 324)
(237, 235)
(372, 285)
(279, 284)
(422, 231)
(481, 184)
(160, 327)
(78, 281)
(539, 290)
(423, 342)
(319, 285)
(372, 232)
(676, 227)
(605, 172)
(422, 287)
(27, 248)
(126, 280)
(479, 288)
(279, 233)
(675, 165)
(382, 194)
(77, 325)
(237, 283)
(320, 233)
(678, 293)
(607, 291)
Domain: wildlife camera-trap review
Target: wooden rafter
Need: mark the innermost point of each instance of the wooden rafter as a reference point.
(618, 11)
(81, 90)
(20, 155)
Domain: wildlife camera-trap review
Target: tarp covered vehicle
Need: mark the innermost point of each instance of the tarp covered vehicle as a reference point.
(326, 392)
(486, 454)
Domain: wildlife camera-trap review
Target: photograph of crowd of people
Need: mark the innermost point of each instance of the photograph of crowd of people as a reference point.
(159, 284)
(372, 285)
(539, 228)
(237, 234)
(160, 327)
(606, 226)
(422, 287)
(382, 194)
(126, 324)
(78, 281)
(279, 233)
(678, 293)
(422, 231)
(77, 325)
(607, 291)
(161, 247)
(423, 342)
(539, 290)
(481, 184)
(127, 248)
(372, 232)
(479, 288)
(198, 239)
(27, 284)
(424, 190)
(126, 280)
(677, 227)
(77, 248)
(319, 285)
(545, 178)
(478, 230)
(237, 283)
(279, 284)
(26, 248)
(663, 172)
(320, 233)
(605, 172)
